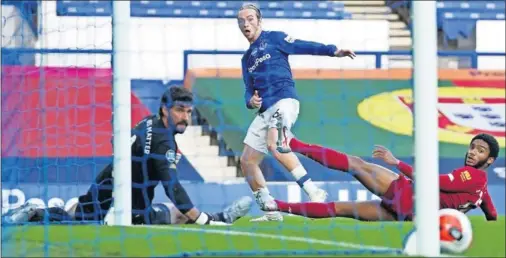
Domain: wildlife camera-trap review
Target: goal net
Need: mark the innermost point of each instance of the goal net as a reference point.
(57, 123)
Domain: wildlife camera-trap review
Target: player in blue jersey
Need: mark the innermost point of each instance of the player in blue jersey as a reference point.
(270, 88)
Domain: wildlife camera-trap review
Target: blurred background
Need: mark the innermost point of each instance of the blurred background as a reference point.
(57, 86)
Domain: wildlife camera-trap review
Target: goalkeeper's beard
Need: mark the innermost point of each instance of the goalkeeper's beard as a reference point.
(180, 127)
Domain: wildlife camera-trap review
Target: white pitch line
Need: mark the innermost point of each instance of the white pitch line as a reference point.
(269, 236)
(283, 238)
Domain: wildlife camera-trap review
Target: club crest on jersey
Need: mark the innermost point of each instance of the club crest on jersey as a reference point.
(263, 45)
(462, 113)
(170, 155)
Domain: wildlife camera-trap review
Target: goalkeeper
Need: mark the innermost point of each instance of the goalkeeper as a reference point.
(154, 159)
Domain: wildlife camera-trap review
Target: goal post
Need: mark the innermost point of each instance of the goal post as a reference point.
(425, 90)
(122, 107)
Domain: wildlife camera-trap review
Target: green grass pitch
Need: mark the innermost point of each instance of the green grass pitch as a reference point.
(295, 236)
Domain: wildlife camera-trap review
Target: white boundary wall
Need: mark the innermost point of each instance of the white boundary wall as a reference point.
(490, 37)
(158, 43)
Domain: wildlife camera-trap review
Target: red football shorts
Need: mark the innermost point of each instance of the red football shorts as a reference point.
(399, 198)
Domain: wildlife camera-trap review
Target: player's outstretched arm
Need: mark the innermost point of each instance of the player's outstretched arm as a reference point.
(488, 207)
(291, 46)
(386, 155)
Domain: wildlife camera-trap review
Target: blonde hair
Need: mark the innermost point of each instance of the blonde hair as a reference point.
(252, 7)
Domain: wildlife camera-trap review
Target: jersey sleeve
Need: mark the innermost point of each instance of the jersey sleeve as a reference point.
(165, 165)
(290, 45)
(248, 83)
(465, 179)
(488, 207)
(164, 159)
(406, 169)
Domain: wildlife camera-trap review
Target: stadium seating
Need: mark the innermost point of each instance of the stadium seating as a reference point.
(207, 9)
(458, 18)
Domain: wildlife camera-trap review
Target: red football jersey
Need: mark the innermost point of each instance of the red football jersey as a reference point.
(463, 189)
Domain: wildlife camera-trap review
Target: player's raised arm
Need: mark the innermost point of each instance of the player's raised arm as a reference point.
(386, 155)
(291, 45)
(487, 206)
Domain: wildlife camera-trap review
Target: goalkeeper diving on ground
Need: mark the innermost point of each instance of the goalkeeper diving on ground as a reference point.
(463, 189)
(154, 159)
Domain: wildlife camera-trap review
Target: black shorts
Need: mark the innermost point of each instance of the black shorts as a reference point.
(95, 204)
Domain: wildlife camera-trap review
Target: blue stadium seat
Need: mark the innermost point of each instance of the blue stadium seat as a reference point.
(264, 5)
(207, 9)
(83, 8)
(458, 18)
(471, 5)
(182, 12)
(470, 16)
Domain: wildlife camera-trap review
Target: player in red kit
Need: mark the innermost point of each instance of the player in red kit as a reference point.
(463, 189)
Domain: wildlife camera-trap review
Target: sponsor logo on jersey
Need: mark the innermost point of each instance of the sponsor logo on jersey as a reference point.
(258, 61)
(462, 113)
(465, 176)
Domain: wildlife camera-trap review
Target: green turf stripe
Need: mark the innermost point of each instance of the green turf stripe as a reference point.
(86, 240)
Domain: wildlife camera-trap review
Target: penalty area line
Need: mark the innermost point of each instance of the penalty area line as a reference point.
(277, 237)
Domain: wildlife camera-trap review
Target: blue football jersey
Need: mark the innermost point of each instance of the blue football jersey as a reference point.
(265, 66)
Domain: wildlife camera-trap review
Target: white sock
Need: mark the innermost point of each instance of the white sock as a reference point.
(202, 219)
(303, 180)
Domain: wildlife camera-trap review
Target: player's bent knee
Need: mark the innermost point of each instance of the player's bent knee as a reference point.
(244, 160)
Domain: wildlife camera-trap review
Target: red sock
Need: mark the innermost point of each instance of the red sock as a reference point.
(325, 156)
(309, 209)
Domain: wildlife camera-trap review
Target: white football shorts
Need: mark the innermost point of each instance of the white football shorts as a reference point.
(256, 137)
